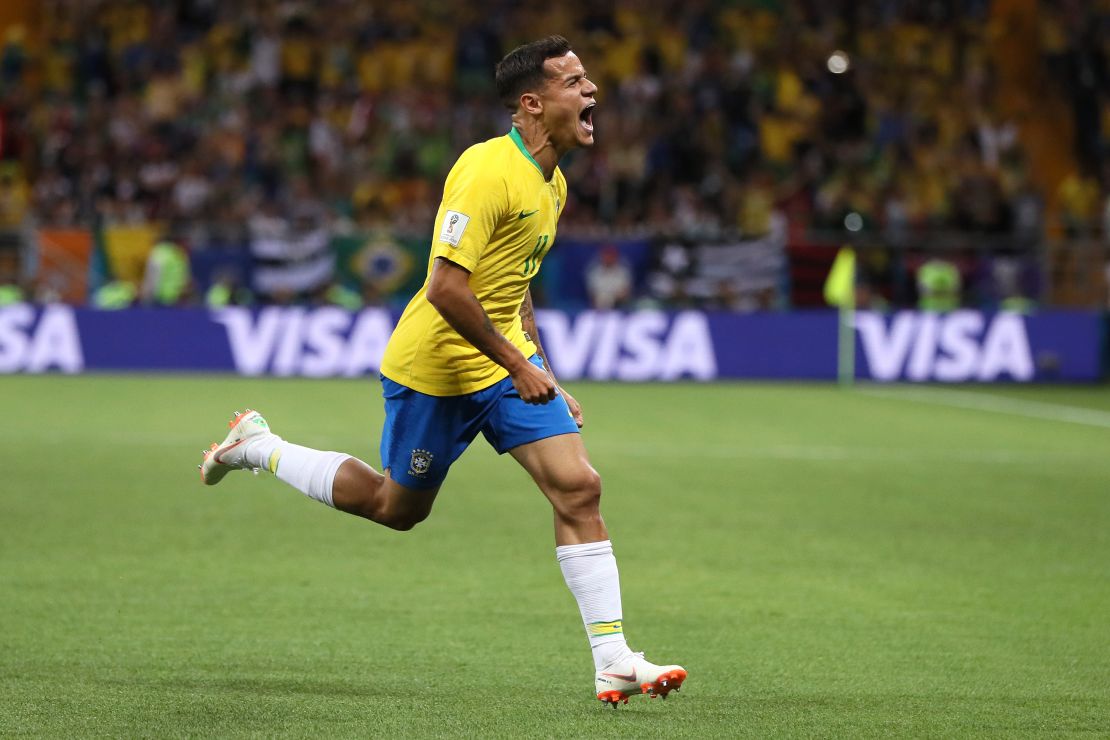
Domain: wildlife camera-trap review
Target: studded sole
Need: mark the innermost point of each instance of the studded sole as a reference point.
(664, 684)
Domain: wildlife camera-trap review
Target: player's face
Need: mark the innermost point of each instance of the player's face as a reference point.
(568, 99)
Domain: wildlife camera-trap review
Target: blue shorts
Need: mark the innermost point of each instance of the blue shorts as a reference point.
(424, 434)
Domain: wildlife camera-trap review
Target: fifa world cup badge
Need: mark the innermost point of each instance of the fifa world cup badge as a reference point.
(421, 461)
(454, 224)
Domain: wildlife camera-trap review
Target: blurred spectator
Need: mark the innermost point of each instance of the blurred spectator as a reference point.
(115, 295)
(167, 279)
(227, 289)
(340, 295)
(1079, 201)
(1012, 294)
(10, 294)
(13, 56)
(609, 280)
(938, 286)
(13, 249)
(14, 199)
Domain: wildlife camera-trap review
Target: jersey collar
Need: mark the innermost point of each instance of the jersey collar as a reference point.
(514, 134)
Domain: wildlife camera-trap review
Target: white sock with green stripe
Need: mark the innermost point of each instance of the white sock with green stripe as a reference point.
(590, 571)
(312, 472)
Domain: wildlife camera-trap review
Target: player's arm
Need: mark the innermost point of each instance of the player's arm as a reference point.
(528, 322)
(449, 292)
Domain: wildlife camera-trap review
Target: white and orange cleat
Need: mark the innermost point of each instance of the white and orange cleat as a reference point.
(220, 459)
(635, 675)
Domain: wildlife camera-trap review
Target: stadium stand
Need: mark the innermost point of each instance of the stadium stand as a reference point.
(736, 140)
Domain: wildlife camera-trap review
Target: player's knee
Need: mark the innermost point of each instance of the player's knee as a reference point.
(580, 495)
(399, 518)
(403, 524)
(402, 521)
(591, 487)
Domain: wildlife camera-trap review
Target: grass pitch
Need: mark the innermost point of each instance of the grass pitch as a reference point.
(900, 562)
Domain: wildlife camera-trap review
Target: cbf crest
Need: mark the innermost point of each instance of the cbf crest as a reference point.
(420, 463)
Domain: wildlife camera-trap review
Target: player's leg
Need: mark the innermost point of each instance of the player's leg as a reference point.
(333, 478)
(352, 486)
(360, 490)
(562, 470)
(421, 437)
(545, 441)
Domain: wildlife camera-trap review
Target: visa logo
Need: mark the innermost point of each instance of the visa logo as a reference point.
(638, 346)
(961, 346)
(33, 341)
(314, 343)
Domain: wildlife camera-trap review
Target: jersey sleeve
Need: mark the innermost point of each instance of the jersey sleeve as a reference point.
(475, 200)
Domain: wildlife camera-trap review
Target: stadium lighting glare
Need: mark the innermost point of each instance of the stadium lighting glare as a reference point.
(838, 62)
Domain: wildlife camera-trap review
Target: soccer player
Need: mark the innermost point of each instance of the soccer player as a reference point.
(466, 358)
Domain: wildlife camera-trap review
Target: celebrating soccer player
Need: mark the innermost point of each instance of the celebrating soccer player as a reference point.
(466, 358)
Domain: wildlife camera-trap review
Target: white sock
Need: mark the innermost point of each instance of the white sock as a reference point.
(590, 571)
(312, 472)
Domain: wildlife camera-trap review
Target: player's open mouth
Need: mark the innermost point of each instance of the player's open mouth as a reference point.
(587, 118)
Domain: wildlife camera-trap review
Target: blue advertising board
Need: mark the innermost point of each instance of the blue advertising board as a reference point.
(962, 346)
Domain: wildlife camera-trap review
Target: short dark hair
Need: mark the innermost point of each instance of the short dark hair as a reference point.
(522, 68)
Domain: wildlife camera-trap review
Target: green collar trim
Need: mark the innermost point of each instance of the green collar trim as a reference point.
(514, 134)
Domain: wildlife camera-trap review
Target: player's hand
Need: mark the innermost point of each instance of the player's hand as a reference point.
(575, 407)
(533, 384)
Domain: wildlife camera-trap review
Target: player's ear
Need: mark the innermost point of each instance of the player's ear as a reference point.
(530, 103)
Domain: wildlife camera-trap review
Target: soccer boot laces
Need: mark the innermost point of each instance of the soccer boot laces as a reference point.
(220, 459)
(636, 675)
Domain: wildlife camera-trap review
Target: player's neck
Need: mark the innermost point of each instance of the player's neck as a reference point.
(538, 143)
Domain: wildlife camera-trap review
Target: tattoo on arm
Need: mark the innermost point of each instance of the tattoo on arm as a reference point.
(486, 323)
(527, 314)
(464, 313)
(528, 322)
(493, 336)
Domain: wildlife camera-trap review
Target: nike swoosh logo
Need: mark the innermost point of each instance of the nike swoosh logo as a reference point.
(229, 449)
(526, 214)
(631, 678)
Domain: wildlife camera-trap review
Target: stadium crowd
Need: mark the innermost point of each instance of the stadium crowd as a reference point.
(715, 116)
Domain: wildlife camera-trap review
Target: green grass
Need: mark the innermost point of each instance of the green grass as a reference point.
(825, 563)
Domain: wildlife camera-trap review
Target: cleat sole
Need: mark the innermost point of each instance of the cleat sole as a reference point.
(665, 683)
(612, 698)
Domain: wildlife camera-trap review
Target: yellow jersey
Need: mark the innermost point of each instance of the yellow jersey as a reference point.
(497, 220)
